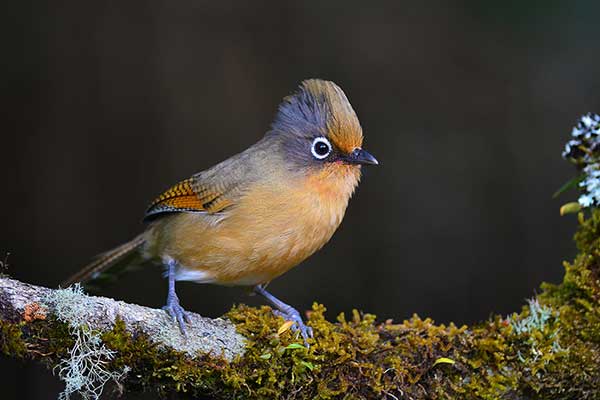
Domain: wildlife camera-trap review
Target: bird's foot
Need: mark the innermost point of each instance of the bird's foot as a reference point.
(174, 309)
(291, 314)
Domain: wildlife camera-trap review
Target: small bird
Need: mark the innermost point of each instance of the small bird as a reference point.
(254, 216)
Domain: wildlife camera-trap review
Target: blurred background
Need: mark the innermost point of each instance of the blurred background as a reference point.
(467, 105)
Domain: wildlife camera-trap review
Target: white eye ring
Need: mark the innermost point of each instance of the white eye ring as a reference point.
(317, 149)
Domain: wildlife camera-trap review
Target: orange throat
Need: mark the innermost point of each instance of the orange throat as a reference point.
(335, 182)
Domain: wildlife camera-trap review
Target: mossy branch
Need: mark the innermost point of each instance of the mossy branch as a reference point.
(21, 302)
(550, 349)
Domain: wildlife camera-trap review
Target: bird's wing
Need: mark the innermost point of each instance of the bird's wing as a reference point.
(194, 195)
(217, 188)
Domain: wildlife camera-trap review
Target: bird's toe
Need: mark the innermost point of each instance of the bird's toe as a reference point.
(178, 313)
(299, 326)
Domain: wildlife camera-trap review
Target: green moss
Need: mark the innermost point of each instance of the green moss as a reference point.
(548, 350)
(11, 339)
(48, 340)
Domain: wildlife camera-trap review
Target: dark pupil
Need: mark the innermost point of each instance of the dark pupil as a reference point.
(321, 148)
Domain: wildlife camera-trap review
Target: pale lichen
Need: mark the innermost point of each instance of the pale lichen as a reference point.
(537, 320)
(86, 368)
(584, 151)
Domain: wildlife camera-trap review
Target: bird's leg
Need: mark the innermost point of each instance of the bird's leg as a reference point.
(287, 312)
(172, 307)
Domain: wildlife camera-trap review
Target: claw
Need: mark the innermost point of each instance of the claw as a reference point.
(174, 309)
(299, 325)
(288, 313)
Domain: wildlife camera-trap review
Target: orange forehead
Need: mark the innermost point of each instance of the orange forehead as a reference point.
(342, 125)
(345, 138)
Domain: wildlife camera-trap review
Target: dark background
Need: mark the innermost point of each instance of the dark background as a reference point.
(466, 104)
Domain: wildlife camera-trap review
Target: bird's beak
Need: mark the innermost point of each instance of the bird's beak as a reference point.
(362, 157)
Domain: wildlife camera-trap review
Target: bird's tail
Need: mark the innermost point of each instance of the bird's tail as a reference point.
(109, 264)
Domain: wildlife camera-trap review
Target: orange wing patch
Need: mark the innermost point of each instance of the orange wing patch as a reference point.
(186, 202)
(180, 197)
(193, 195)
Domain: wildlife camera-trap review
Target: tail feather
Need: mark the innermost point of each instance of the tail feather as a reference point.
(106, 261)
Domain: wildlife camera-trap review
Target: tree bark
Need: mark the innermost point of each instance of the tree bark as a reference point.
(204, 335)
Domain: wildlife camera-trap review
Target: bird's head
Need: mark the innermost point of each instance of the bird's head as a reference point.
(319, 130)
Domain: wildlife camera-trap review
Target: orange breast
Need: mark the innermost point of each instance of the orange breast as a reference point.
(276, 225)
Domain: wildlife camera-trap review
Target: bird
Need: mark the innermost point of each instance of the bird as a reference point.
(251, 218)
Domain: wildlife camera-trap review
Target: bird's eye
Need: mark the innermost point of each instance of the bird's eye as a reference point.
(321, 148)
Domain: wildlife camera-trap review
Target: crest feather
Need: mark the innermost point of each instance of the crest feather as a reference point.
(323, 107)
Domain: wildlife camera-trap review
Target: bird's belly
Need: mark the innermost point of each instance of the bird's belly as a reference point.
(248, 247)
